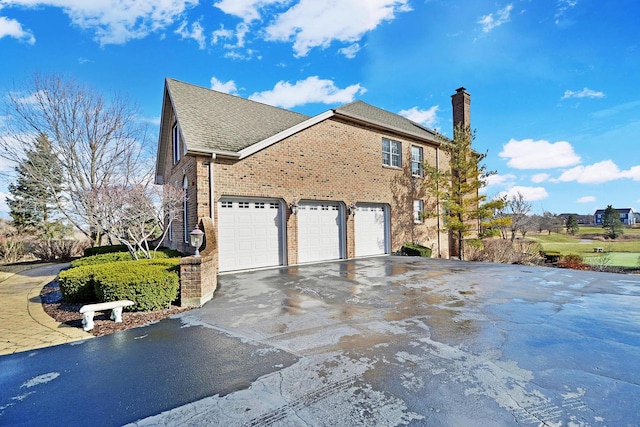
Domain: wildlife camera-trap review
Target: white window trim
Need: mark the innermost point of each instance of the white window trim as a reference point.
(418, 208)
(418, 161)
(391, 154)
(175, 143)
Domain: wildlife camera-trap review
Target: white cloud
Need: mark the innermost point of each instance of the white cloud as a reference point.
(598, 173)
(12, 28)
(586, 199)
(530, 194)
(248, 10)
(563, 7)
(540, 177)
(116, 21)
(584, 93)
(350, 51)
(424, 117)
(226, 87)
(196, 33)
(633, 173)
(541, 154)
(313, 23)
(312, 89)
(498, 179)
(222, 33)
(489, 22)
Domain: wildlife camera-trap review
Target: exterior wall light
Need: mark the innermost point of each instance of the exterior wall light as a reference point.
(352, 209)
(195, 238)
(293, 206)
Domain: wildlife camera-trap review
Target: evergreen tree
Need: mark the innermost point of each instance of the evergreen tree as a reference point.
(36, 187)
(572, 225)
(611, 222)
(457, 187)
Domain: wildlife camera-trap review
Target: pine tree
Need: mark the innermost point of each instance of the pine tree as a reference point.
(572, 225)
(611, 222)
(457, 187)
(37, 185)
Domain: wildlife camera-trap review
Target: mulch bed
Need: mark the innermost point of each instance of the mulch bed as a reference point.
(69, 313)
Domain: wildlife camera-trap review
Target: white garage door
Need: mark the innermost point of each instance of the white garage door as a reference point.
(371, 227)
(249, 234)
(319, 231)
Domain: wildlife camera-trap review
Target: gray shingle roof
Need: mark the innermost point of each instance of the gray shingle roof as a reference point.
(212, 120)
(369, 113)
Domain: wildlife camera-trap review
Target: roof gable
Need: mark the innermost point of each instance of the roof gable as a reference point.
(362, 111)
(215, 121)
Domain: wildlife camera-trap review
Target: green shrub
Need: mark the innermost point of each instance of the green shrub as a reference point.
(77, 285)
(148, 283)
(122, 256)
(97, 250)
(102, 258)
(413, 249)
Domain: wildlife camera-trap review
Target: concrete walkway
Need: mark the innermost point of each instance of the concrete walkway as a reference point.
(23, 323)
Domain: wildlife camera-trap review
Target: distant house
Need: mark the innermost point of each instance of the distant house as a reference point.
(581, 219)
(627, 216)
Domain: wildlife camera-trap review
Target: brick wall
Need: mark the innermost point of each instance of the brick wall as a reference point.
(337, 161)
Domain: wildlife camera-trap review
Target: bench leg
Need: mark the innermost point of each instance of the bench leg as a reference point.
(116, 314)
(87, 320)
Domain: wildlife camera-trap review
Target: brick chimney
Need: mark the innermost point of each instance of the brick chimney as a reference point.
(461, 102)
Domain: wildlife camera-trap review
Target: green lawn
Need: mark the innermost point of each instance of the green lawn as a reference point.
(618, 259)
(624, 253)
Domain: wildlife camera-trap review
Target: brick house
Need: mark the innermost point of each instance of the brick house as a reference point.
(282, 188)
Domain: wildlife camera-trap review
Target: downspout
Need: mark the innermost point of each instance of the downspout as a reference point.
(212, 209)
(438, 202)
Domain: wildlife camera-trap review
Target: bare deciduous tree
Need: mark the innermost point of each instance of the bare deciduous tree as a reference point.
(98, 142)
(138, 214)
(519, 207)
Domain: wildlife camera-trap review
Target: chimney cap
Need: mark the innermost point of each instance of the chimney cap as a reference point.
(461, 89)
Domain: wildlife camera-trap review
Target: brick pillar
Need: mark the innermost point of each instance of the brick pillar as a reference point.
(198, 280)
(199, 275)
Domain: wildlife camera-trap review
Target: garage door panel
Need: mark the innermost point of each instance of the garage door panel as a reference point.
(370, 230)
(319, 231)
(249, 234)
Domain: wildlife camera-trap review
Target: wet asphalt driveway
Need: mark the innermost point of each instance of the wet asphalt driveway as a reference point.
(380, 341)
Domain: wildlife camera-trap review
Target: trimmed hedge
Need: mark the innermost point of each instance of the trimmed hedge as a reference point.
(77, 285)
(121, 256)
(413, 249)
(148, 283)
(151, 283)
(97, 250)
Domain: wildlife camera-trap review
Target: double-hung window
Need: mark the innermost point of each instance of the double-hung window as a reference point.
(416, 161)
(418, 208)
(391, 153)
(175, 143)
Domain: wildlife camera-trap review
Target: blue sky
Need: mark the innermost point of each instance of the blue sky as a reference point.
(554, 83)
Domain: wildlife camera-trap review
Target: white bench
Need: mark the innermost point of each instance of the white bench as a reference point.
(90, 309)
